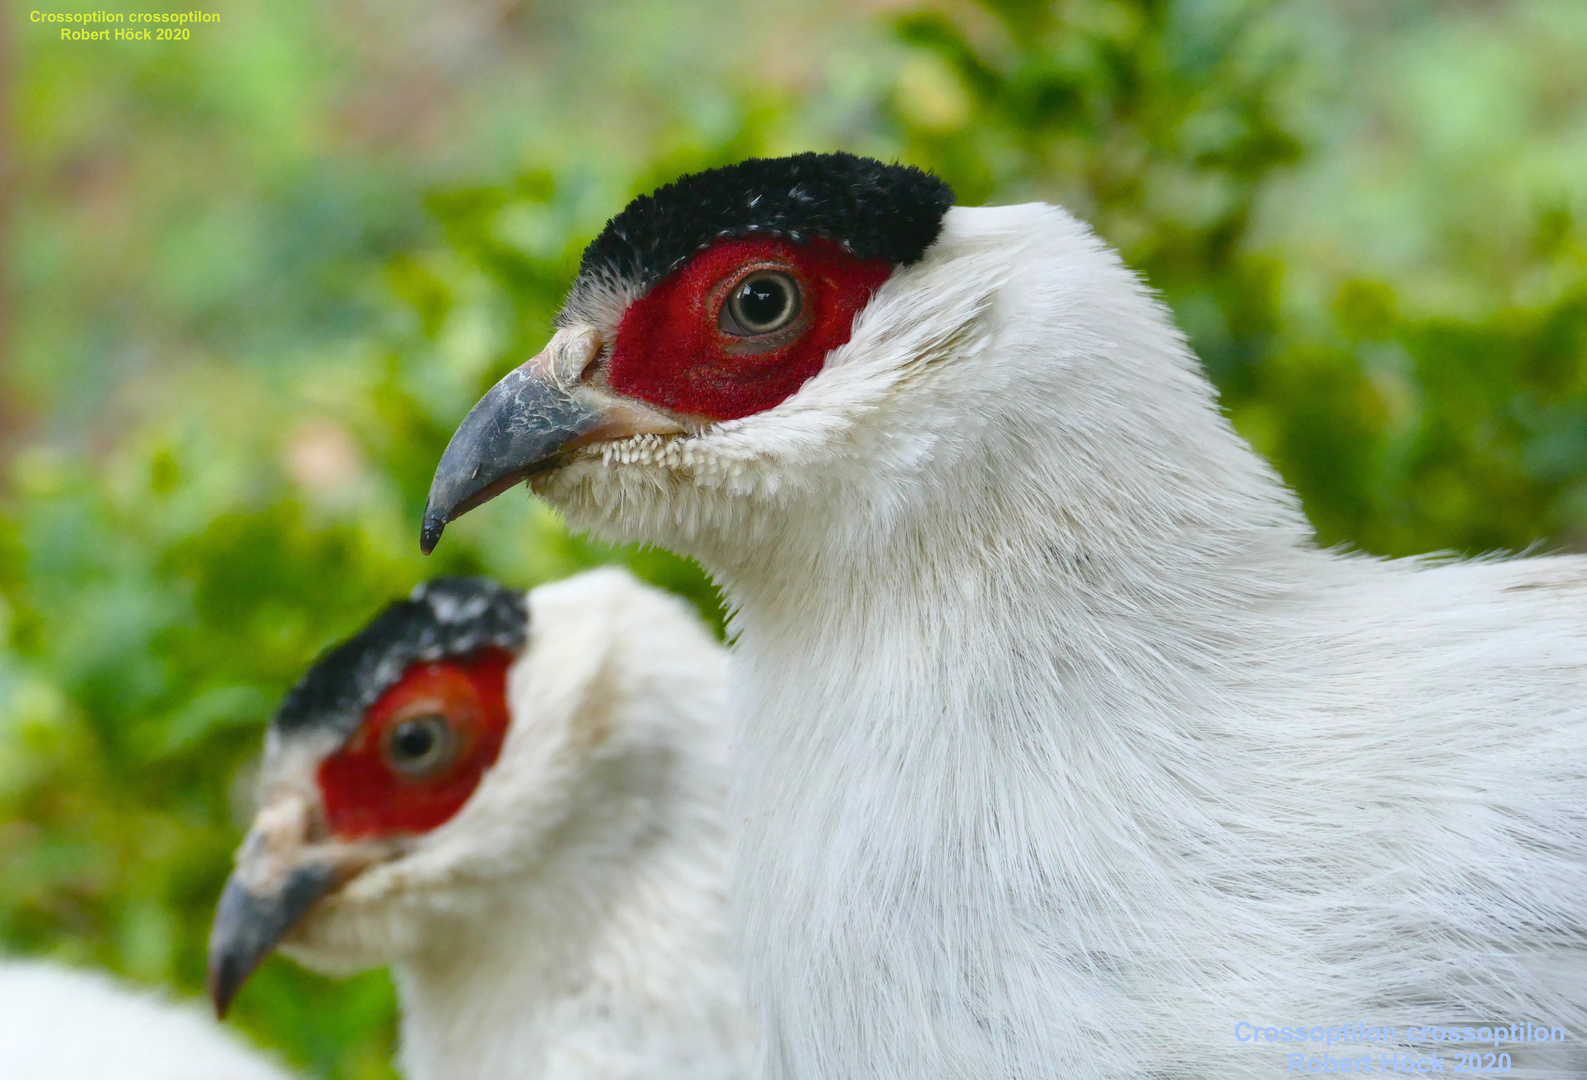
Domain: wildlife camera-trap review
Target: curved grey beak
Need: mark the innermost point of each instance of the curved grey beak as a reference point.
(249, 924)
(283, 869)
(525, 424)
(519, 426)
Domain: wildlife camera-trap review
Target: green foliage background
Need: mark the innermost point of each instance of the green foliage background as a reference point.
(254, 279)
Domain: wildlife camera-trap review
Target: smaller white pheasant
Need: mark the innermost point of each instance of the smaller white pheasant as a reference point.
(518, 805)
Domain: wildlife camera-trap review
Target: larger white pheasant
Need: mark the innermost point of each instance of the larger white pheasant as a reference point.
(1066, 752)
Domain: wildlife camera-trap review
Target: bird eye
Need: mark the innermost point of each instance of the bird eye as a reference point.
(761, 303)
(421, 746)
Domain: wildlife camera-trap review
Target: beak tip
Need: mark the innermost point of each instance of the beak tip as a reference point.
(223, 985)
(430, 535)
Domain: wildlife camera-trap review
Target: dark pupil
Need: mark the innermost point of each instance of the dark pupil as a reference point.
(762, 301)
(413, 739)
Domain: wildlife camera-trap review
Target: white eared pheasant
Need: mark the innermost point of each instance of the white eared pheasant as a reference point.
(1065, 752)
(519, 807)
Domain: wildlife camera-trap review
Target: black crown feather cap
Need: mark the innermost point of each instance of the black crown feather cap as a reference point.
(874, 210)
(444, 618)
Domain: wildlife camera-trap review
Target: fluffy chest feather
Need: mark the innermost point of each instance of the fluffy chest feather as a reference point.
(1003, 844)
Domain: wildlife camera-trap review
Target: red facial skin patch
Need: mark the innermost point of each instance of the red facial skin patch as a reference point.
(365, 796)
(671, 350)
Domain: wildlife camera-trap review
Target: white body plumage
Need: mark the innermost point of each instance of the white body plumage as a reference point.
(1063, 748)
(60, 1024)
(570, 921)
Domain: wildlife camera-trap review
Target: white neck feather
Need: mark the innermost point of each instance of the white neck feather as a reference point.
(610, 962)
